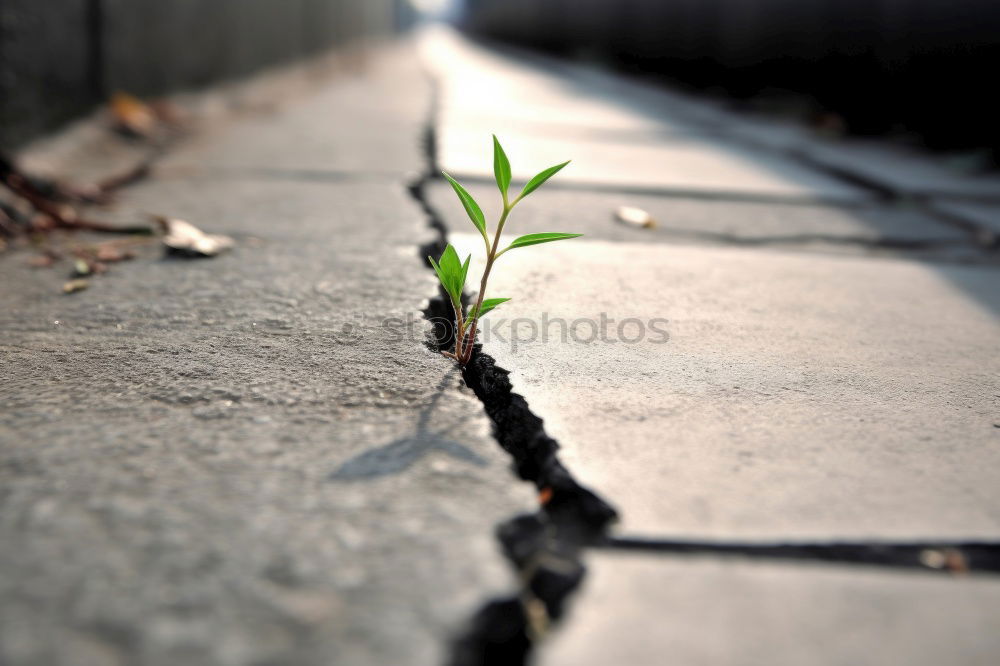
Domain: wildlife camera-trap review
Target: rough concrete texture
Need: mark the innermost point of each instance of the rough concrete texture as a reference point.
(794, 396)
(232, 460)
(647, 610)
(866, 229)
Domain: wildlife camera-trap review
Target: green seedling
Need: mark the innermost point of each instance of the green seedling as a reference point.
(452, 271)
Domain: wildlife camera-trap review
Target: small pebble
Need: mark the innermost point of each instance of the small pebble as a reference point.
(635, 217)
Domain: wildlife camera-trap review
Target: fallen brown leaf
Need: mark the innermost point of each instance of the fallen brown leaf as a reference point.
(132, 115)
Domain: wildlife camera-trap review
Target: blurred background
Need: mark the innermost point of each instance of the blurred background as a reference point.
(922, 71)
(60, 58)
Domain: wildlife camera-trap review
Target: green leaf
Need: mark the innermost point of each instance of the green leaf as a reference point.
(440, 273)
(535, 239)
(471, 207)
(537, 181)
(501, 167)
(488, 304)
(451, 272)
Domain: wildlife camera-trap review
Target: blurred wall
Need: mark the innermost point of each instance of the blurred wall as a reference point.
(926, 66)
(59, 58)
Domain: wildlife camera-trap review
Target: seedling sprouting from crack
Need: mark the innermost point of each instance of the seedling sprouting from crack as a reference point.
(452, 271)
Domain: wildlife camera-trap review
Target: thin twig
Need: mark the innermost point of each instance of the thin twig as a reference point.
(62, 215)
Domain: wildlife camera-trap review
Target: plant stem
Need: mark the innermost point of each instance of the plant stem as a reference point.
(459, 329)
(490, 258)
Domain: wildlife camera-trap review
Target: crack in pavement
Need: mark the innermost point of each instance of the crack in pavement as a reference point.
(924, 201)
(883, 242)
(690, 193)
(544, 547)
(945, 556)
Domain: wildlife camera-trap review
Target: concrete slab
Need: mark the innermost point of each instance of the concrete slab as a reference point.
(900, 170)
(247, 459)
(479, 83)
(644, 610)
(618, 134)
(252, 458)
(984, 216)
(368, 123)
(759, 394)
(858, 229)
(701, 166)
(777, 134)
(476, 77)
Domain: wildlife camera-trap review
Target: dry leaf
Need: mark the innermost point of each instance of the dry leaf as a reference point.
(635, 217)
(132, 115)
(74, 286)
(185, 239)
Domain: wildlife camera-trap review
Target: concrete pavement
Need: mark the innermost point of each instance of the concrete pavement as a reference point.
(258, 459)
(801, 350)
(236, 460)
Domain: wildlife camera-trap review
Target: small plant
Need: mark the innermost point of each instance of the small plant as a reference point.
(452, 271)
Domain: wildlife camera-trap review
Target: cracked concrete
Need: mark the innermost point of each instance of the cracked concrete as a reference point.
(241, 461)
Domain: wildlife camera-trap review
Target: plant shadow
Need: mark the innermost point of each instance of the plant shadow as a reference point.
(398, 455)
